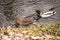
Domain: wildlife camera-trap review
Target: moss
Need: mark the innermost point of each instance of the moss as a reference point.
(40, 30)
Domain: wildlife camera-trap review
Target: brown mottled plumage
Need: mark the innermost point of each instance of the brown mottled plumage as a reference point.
(23, 21)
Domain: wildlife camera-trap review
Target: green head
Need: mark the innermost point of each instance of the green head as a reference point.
(38, 11)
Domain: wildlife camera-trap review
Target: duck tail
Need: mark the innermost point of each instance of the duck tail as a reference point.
(53, 8)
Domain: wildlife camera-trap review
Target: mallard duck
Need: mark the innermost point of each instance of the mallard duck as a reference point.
(44, 15)
(24, 22)
(40, 14)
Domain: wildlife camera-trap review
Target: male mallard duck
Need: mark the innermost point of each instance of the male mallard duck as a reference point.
(40, 14)
(44, 15)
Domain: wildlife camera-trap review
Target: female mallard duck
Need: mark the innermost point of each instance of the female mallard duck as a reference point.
(24, 22)
(40, 14)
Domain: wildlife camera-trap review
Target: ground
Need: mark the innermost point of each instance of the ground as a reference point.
(44, 6)
(26, 7)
